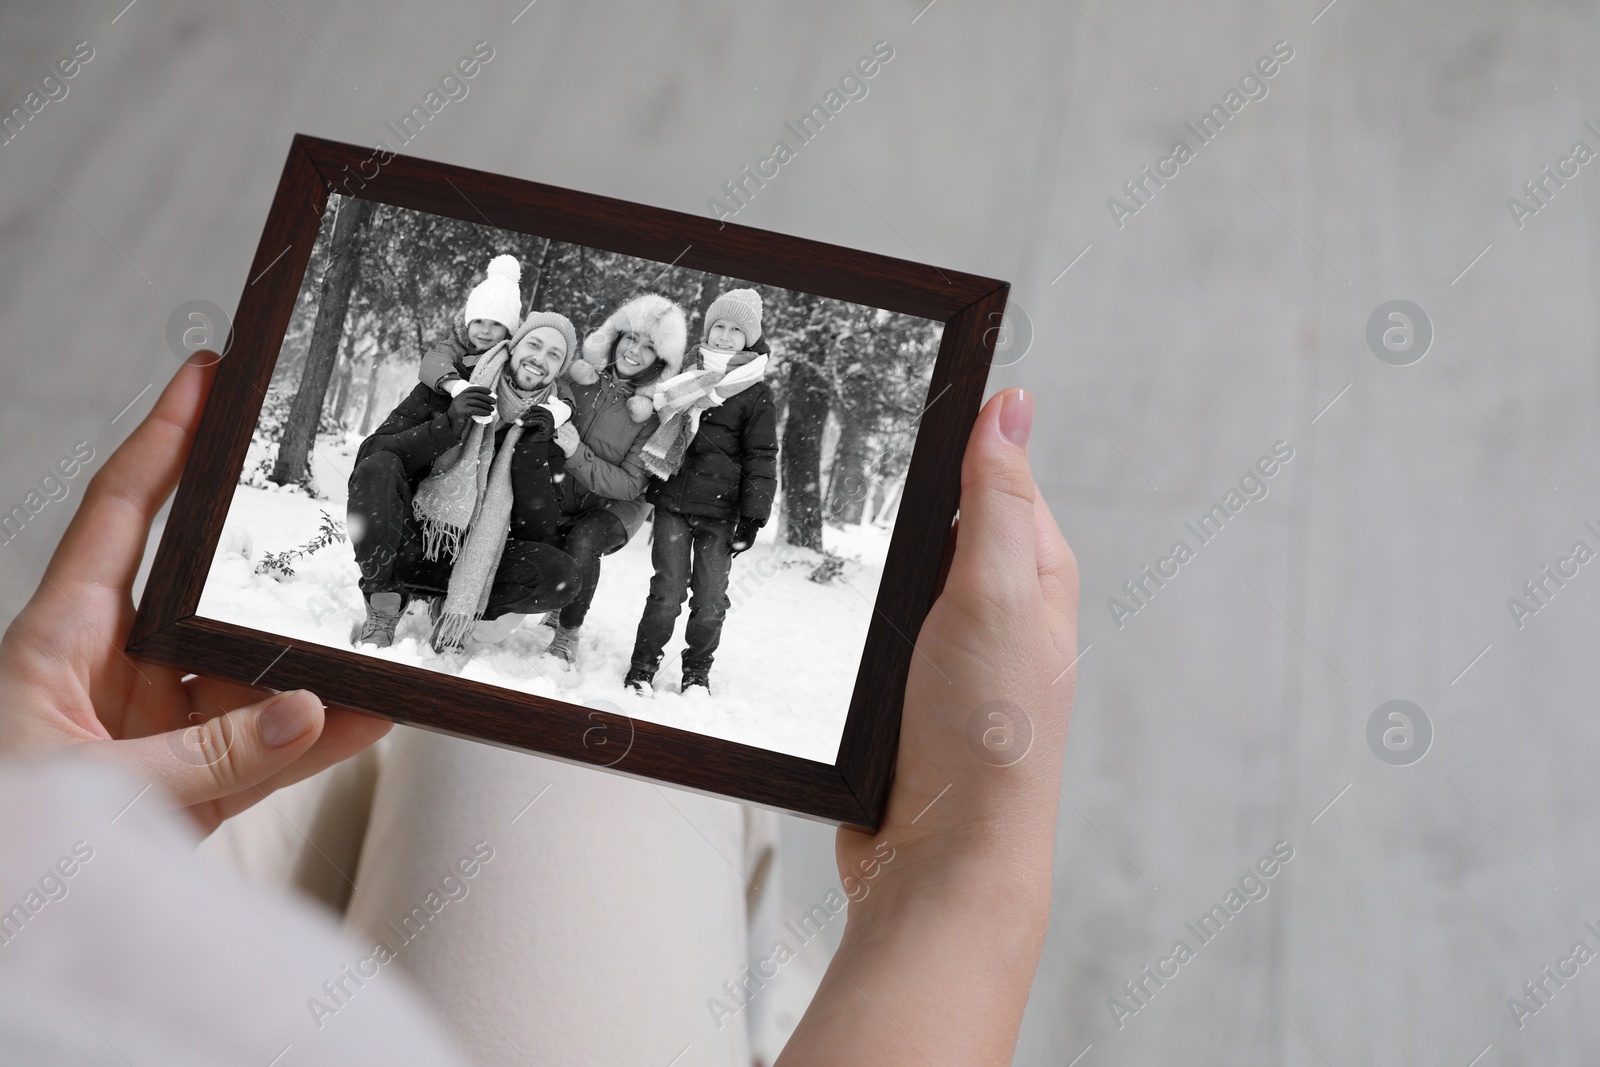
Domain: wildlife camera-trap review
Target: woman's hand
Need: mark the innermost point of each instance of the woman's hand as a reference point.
(567, 438)
(951, 898)
(65, 682)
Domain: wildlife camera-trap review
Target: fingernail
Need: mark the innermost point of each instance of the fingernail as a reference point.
(283, 720)
(1016, 417)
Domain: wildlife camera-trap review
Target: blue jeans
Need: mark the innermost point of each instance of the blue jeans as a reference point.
(689, 552)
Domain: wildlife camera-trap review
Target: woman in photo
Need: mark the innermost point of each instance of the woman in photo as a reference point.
(641, 343)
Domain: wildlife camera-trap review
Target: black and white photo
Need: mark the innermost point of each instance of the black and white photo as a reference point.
(615, 482)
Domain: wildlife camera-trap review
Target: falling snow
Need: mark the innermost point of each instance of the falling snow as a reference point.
(778, 685)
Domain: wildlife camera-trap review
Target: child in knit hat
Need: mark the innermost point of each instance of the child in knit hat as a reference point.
(492, 313)
(716, 453)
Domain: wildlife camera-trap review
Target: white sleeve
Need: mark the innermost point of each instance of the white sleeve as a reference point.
(558, 408)
(119, 944)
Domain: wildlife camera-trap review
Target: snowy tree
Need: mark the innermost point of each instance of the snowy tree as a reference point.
(850, 381)
(809, 395)
(299, 430)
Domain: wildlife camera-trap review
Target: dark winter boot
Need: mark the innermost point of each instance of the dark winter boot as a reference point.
(448, 645)
(441, 644)
(383, 615)
(640, 681)
(565, 645)
(696, 676)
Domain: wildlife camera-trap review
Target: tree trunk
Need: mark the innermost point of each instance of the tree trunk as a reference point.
(538, 277)
(583, 281)
(801, 454)
(336, 410)
(370, 412)
(890, 508)
(293, 465)
(847, 482)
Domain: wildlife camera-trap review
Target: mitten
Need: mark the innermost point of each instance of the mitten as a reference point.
(744, 534)
(470, 404)
(560, 411)
(538, 424)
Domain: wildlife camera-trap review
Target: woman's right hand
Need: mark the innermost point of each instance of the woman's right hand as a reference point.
(471, 401)
(950, 900)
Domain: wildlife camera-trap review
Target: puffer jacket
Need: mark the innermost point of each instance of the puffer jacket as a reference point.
(731, 468)
(450, 354)
(418, 431)
(606, 470)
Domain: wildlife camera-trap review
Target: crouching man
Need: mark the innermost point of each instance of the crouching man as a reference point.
(454, 500)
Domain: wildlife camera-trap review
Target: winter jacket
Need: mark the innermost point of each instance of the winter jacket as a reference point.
(731, 468)
(606, 469)
(450, 354)
(418, 431)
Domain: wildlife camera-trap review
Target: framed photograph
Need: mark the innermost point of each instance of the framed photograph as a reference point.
(612, 484)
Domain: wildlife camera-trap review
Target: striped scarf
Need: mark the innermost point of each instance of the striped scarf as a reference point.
(680, 400)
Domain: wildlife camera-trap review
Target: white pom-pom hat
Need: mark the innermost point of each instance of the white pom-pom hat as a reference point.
(498, 297)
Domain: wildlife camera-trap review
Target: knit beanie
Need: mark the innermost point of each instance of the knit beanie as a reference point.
(537, 319)
(497, 298)
(742, 307)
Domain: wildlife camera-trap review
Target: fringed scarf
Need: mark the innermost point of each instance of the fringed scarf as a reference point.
(680, 399)
(468, 496)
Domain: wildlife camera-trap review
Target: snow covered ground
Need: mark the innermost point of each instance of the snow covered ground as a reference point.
(783, 675)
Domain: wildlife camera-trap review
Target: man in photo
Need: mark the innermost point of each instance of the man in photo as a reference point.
(463, 513)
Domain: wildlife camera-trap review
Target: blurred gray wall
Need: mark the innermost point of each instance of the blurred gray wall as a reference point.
(1226, 314)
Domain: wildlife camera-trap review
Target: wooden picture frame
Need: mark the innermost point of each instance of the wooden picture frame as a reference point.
(853, 791)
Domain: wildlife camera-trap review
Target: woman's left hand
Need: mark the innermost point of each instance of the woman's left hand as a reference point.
(567, 438)
(217, 747)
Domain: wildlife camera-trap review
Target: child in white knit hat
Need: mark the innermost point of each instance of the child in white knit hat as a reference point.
(493, 311)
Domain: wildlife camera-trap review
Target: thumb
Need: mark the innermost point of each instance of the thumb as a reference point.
(995, 547)
(218, 757)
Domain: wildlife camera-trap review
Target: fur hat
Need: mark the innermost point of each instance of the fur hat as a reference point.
(497, 298)
(662, 323)
(537, 319)
(742, 307)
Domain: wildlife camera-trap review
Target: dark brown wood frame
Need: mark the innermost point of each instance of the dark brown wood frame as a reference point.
(855, 789)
